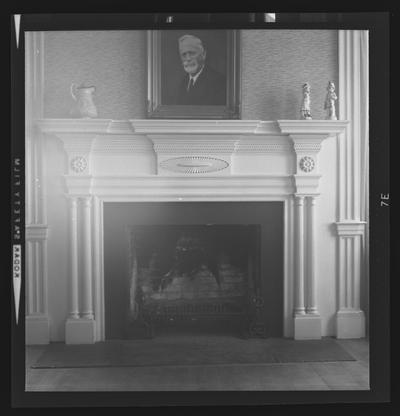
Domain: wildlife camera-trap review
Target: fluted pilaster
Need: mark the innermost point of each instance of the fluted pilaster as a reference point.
(74, 305)
(36, 232)
(311, 306)
(87, 308)
(299, 257)
(352, 246)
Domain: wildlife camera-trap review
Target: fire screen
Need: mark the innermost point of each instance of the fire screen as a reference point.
(191, 275)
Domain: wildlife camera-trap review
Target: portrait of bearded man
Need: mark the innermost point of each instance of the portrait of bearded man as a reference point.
(201, 84)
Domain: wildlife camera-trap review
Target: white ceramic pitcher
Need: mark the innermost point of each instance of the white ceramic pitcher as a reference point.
(84, 98)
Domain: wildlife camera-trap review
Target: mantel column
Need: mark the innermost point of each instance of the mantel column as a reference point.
(299, 308)
(311, 281)
(73, 243)
(87, 311)
(307, 321)
(80, 325)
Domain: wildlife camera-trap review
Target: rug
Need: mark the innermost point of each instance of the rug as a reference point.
(193, 350)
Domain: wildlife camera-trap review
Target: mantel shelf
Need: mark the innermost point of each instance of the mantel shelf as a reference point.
(193, 127)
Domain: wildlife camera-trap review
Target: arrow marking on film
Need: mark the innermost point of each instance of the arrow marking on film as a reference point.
(17, 19)
(17, 264)
(17, 291)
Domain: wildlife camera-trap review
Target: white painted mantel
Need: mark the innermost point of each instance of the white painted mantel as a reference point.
(193, 160)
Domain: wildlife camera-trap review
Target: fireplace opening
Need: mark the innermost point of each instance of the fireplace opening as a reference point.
(184, 268)
(194, 278)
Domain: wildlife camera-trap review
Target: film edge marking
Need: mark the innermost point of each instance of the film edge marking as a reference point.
(17, 262)
(17, 19)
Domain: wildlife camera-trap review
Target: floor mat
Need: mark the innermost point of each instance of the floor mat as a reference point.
(190, 350)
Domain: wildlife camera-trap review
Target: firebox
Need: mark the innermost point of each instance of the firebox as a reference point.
(193, 277)
(203, 267)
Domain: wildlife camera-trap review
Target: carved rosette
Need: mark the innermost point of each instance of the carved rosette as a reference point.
(78, 164)
(194, 164)
(307, 164)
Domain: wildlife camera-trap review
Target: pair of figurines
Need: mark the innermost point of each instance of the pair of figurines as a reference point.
(329, 105)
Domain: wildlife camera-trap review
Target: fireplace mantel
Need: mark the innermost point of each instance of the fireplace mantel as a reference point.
(193, 147)
(191, 160)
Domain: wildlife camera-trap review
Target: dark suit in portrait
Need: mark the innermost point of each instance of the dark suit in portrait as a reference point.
(209, 89)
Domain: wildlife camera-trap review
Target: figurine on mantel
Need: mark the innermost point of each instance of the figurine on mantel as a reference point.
(330, 99)
(305, 110)
(83, 95)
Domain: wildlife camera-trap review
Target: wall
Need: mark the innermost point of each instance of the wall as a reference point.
(275, 65)
(113, 61)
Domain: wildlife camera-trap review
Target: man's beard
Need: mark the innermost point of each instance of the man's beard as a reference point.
(192, 67)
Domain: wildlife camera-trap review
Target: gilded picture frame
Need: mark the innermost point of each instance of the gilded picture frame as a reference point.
(166, 74)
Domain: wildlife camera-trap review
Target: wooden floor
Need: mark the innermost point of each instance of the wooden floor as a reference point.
(343, 375)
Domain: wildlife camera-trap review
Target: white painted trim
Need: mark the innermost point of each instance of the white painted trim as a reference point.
(98, 306)
(289, 273)
(236, 127)
(287, 303)
(87, 255)
(73, 259)
(99, 302)
(36, 232)
(121, 143)
(36, 275)
(240, 187)
(74, 125)
(299, 308)
(102, 333)
(313, 127)
(172, 138)
(350, 229)
(36, 229)
(191, 127)
(263, 144)
(349, 109)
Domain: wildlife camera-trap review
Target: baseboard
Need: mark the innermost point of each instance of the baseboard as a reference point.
(350, 324)
(307, 326)
(80, 331)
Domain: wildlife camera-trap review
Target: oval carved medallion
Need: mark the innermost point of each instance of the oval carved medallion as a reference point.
(194, 164)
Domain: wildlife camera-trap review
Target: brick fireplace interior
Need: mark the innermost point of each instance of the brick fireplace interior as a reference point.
(201, 267)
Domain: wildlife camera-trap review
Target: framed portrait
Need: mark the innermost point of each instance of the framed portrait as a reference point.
(194, 74)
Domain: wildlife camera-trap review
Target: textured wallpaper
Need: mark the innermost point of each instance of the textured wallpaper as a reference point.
(275, 64)
(113, 61)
